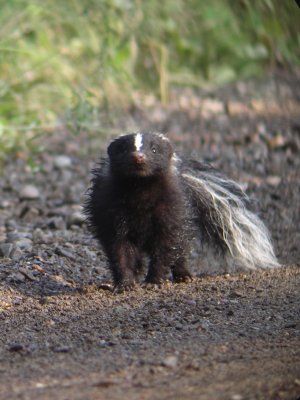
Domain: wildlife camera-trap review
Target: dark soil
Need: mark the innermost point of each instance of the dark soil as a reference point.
(226, 335)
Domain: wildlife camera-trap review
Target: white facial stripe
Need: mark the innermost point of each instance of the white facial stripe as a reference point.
(138, 141)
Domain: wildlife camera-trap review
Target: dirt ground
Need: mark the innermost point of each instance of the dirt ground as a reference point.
(226, 335)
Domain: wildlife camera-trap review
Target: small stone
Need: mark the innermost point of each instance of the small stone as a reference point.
(170, 362)
(236, 108)
(16, 347)
(29, 213)
(235, 294)
(277, 142)
(62, 349)
(237, 397)
(44, 300)
(57, 223)
(15, 236)
(17, 277)
(76, 218)
(62, 162)
(273, 180)
(24, 244)
(40, 236)
(28, 274)
(65, 253)
(29, 192)
(16, 254)
(211, 106)
(6, 249)
(5, 203)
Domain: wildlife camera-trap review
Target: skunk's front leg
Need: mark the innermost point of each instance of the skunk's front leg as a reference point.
(158, 269)
(180, 272)
(124, 261)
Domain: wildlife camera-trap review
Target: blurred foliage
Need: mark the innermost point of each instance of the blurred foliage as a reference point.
(71, 57)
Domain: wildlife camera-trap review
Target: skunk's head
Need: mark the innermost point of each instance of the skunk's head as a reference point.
(140, 155)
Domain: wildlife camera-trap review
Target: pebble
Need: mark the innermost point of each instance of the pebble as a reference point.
(237, 397)
(236, 294)
(6, 249)
(17, 277)
(15, 235)
(41, 236)
(16, 347)
(24, 244)
(5, 203)
(28, 274)
(76, 218)
(57, 223)
(61, 349)
(65, 253)
(62, 162)
(170, 362)
(29, 192)
(16, 254)
(29, 213)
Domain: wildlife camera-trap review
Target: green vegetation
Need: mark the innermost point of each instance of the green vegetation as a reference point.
(68, 58)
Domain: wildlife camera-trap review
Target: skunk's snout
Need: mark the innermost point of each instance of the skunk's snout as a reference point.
(138, 157)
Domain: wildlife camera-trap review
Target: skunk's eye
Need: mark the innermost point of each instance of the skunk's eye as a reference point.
(153, 149)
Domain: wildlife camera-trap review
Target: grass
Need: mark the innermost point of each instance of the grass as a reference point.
(61, 61)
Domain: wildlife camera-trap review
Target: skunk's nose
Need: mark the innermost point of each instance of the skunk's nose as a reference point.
(138, 157)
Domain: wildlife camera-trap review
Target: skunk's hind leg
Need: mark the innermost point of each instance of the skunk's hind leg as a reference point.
(161, 266)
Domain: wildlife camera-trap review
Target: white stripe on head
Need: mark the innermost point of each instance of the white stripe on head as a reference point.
(138, 141)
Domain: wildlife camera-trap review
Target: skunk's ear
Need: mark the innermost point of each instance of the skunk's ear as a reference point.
(116, 146)
(168, 148)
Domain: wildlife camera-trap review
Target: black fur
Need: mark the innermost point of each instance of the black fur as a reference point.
(141, 204)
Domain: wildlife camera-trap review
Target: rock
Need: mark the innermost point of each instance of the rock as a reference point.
(16, 254)
(5, 204)
(236, 294)
(17, 277)
(28, 274)
(16, 235)
(235, 108)
(24, 244)
(76, 218)
(170, 362)
(237, 397)
(41, 236)
(57, 223)
(6, 249)
(61, 349)
(65, 253)
(273, 180)
(212, 106)
(16, 347)
(29, 192)
(62, 162)
(28, 214)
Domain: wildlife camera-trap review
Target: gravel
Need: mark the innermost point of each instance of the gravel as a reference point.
(65, 334)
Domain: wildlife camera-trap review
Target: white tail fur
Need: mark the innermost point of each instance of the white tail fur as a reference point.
(245, 235)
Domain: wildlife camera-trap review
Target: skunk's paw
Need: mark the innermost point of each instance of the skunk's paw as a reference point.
(185, 277)
(154, 285)
(151, 286)
(123, 287)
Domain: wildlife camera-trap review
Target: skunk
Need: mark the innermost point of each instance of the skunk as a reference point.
(146, 202)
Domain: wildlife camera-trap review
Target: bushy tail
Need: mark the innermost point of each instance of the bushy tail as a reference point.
(220, 207)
